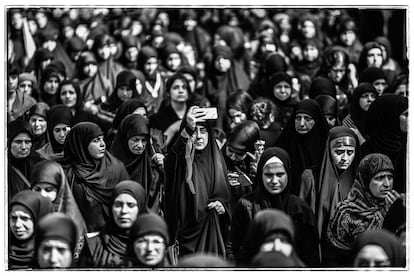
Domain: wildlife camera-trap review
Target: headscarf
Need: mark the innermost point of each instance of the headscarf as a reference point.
(372, 74)
(334, 186)
(124, 78)
(362, 63)
(383, 124)
(115, 239)
(305, 150)
(360, 211)
(243, 136)
(274, 259)
(51, 172)
(24, 165)
(125, 109)
(386, 240)
(21, 252)
(93, 88)
(266, 223)
(41, 110)
(30, 77)
(47, 73)
(97, 177)
(200, 260)
(147, 224)
(267, 200)
(359, 116)
(199, 180)
(58, 114)
(322, 86)
(239, 100)
(138, 166)
(56, 226)
(328, 105)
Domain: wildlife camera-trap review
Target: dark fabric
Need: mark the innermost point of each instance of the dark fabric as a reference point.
(387, 241)
(21, 105)
(139, 167)
(371, 74)
(51, 172)
(322, 86)
(92, 88)
(124, 78)
(21, 252)
(284, 108)
(109, 247)
(274, 259)
(23, 166)
(360, 211)
(125, 109)
(107, 68)
(164, 118)
(201, 260)
(303, 219)
(219, 85)
(196, 228)
(266, 223)
(305, 151)
(328, 105)
(396, 217)
(48, 73)
(57, 226)
(154, 92)
(359, 116)
(273, 63)
(146, 224)
(334, 185)
(91, 180)
(383, 130)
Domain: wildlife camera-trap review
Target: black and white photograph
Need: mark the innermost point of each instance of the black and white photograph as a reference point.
(206, 137)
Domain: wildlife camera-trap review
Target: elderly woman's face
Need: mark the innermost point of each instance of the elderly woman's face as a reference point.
(137, 144)
(200, 137)
(38, 124)
(372, 255)
(21, 145)
(21, 222)
(381, 184)
(304, 123)
(150, 249)
(125, 211)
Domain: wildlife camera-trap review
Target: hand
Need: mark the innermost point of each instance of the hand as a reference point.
(158, 159)
(194, 116)
(233, 178)
(390, 198)
(217, 206)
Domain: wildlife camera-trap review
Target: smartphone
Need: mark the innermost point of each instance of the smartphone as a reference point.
(211, 113)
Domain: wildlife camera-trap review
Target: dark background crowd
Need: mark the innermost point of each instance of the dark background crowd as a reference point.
(206, 137)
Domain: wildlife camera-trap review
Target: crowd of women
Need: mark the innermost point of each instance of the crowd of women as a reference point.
(244, 137)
